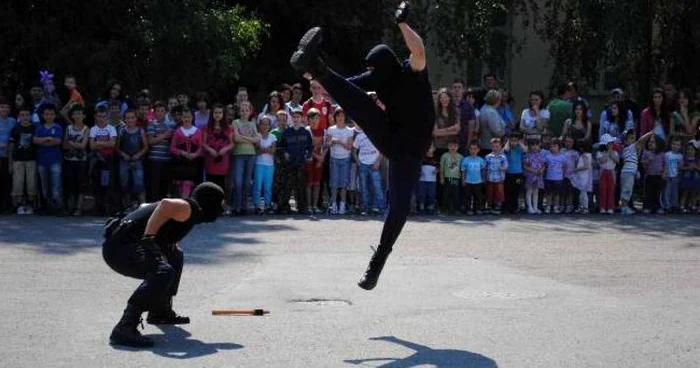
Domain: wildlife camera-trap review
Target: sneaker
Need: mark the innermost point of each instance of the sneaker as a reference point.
(270, 211)
(557, 210)
(28, 210)
(317, 210)
(602, 212)
(341, 209)
(625, 211)
(21, 210)
(538, 211)
(530, 211)
(333, 209)
(547, 210)
(584, 211)
(306, 59)
(309, 211)
(610, 212)
(77, 213)
(258, 211)
(470, 213)
(647, 211)
(660, 211)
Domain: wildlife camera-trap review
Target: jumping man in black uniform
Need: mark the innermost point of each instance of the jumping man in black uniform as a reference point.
(402, 133)
(143, 245)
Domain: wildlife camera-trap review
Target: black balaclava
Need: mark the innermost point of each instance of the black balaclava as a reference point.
(387, 67)
(209, 198)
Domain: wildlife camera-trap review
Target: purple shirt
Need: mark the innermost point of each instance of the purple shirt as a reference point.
(555, 166)
(653, 163)
(572, 157)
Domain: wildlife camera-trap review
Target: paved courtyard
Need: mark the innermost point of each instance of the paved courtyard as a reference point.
(483, 292)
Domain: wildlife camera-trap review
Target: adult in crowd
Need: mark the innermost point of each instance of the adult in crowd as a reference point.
(114, 94)
(491, 124)
(579, 127)
(506, 111)
(684, 119)
(560, 109)
(575, 96)
(202, 113)
(535, 119)
(467, 119)
(447, 124)
(490, 83)
(615, 121)
(657, 117)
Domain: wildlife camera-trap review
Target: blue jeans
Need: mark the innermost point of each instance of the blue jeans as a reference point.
(243, 170)
(371, 177)
(671, 193)
(136, 170)
(264, 177)
(340, 173)
(427, 191)
(50, 177)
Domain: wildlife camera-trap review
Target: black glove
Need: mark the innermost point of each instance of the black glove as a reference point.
(148, 242)
(402, 12)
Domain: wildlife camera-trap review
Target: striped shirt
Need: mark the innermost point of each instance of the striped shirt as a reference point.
(160, 152)
(630, 160)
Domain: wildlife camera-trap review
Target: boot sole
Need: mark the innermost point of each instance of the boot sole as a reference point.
(130, 344)
(307, 50)
(366, 286)
(156, 322)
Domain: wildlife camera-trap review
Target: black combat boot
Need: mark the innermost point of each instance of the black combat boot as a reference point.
(307, 58)
(166, 316)
(126, 331)
(376, 264)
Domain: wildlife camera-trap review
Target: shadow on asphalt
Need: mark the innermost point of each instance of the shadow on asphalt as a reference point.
(206, 244)
(426, 356)
(175, 343)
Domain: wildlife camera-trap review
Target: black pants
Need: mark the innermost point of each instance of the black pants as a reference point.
(513, 186)
(450, 193)
(161, 279)
(654, 186)
(474, 197)
(404, 169)
(159, 180)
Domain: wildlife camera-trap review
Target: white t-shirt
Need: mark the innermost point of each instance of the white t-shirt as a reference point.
(344, 135)
(266, 159)
(367, 153)
(103, 134)
(531, 121)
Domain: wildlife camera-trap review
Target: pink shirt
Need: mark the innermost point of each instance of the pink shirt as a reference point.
(191, 144)
(218, 139)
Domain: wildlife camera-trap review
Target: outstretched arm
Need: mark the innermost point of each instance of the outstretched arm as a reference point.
(415, 44)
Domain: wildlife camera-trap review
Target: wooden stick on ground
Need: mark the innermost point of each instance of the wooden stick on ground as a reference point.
(239, 312)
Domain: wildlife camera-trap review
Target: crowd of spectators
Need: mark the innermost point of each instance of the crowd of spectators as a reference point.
(293, 154)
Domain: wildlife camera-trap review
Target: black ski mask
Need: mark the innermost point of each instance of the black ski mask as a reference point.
(209, 199)
(387, 68)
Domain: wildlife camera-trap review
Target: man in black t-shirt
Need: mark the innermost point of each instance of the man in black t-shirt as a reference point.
(402, 132)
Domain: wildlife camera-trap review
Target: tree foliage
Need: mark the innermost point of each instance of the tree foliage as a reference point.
(166, 46)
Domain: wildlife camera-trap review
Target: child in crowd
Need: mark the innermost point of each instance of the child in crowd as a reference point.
(674, 160)
(572, 157)
(339, 138)
(70, 82)
(450, 175)
(608, 159)
(48, 138)
(115, 114)
(369, 161)
(142, 116)
(314, 168)
(22, 158)
(582, 179)
(654, 161)
(281, 167)
(131, 147)
(555, 163)
(187, 147)
(7, 123)
(103, 142)
(534, 176)
(75, 157)
(245, 135)
(473, 168)
(690, 180)
(218, 143)
(427, 186)
(630, 164)
(159, 134)
(515, 152)
(297, 148)
(496, 167)
(264, 166)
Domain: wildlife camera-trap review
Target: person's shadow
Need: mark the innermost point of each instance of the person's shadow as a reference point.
(428, 356)
(175, 343)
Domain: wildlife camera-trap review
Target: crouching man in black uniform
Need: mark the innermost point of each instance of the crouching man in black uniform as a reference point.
(143, 245)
